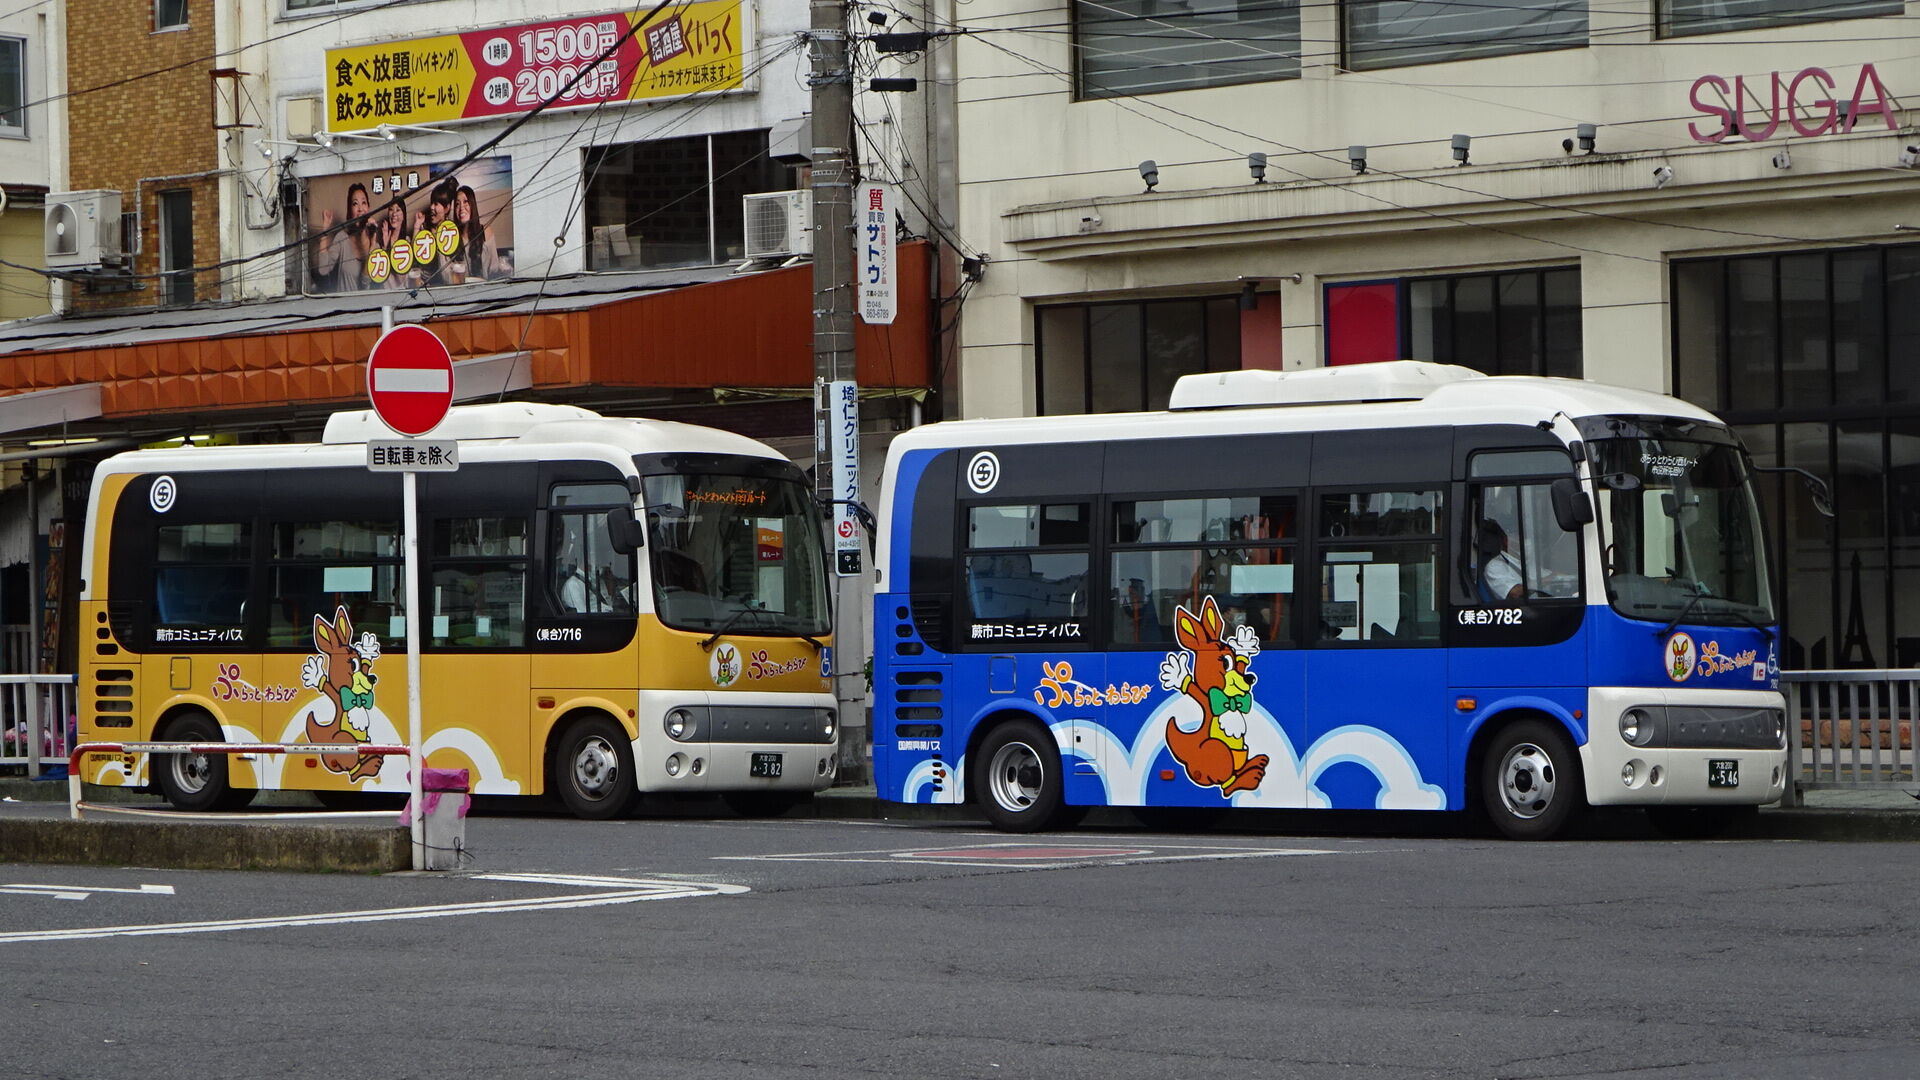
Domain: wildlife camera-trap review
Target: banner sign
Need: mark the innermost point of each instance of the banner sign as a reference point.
(428, 226)
(499, 72)
(843, 446)
(873, 237)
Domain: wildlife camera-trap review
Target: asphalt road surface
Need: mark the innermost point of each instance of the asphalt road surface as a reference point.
(716, 947)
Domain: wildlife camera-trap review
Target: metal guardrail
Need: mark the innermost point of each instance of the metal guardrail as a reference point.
(37, 720)
(1851, 729)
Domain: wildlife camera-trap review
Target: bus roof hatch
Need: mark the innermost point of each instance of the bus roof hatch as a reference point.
(1393, 380)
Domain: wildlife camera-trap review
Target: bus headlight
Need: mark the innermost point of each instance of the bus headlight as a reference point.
(1636, 727)
(826, 723)
(678, 724)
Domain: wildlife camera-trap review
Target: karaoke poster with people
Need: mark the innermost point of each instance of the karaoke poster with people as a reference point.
(412, 227)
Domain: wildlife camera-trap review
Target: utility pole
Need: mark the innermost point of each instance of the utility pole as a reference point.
(833, 360)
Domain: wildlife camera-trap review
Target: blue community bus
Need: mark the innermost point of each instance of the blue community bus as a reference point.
(1401, 586)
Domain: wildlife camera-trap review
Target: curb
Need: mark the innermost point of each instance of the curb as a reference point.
(210, 846)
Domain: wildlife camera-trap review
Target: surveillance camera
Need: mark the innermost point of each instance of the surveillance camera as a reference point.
(1661, 175)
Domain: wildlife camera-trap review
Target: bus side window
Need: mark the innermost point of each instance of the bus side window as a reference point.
(1380, 567)
(1028, 564)
(1517, 551)
(202, 575)
(479, 580)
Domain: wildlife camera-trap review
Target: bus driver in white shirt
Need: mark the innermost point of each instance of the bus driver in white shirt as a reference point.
(1501, 580)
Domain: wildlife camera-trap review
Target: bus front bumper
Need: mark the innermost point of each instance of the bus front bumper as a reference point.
(1706, 747)
(744, 742)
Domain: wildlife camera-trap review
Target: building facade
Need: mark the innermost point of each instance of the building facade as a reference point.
(1705, 198)
(32, 150)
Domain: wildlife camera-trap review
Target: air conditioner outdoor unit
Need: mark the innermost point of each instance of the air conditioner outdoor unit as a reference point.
(779, 223)
(83, 229)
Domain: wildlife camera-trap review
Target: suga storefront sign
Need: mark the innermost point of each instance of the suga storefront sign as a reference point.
(408, 227)
(1803, 102)
(687, 49)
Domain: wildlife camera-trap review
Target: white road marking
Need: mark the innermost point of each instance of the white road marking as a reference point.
(81, 892)
(1156, 854)
(648, 890)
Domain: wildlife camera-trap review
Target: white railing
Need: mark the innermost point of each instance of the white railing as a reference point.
(37, 720)
(1851, 729)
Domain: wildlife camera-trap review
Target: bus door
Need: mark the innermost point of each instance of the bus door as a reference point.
(476, 662)
(1201, 615)
(1515, 583)
(1377, 696)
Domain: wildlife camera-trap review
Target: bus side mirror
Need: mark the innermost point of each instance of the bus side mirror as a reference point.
(624, 530)
(1571, 507)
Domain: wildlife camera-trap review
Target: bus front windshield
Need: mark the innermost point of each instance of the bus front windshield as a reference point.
(735, 553)
(1682, 532)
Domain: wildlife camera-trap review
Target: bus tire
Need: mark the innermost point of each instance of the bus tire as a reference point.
(197, 781)
(593, 770)
(1530, 782)
(764, 804)
(1019, 785)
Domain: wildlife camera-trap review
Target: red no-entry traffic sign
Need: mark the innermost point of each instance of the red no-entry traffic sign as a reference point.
(410, 380)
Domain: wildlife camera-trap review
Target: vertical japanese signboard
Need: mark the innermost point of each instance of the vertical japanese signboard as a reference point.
(874, 238)
(693, 48)
(843, 442)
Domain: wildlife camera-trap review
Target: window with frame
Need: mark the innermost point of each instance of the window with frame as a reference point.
(1516, 322)
(1680, 18)
(1125, 357)
(675, 202)
(1026, 568)
(13, 86)
(1398, 33)
(1147, 46)
(479, 583)
(585, 575)
(1379, 574)
(318, 567)
(1804, 354)
(202, 577)
(1516, 552)
(169, 14)
(1175, 552)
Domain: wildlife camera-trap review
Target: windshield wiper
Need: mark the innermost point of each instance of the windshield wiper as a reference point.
(1693, 598)
(728, 625)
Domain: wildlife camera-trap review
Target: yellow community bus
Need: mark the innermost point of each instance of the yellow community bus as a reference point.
(614, 607)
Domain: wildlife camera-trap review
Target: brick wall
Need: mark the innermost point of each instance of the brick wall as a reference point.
(157, 126)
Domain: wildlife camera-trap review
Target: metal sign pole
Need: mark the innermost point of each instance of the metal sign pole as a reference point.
(410, 545)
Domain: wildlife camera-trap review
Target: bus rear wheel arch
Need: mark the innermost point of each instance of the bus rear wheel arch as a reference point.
(1529, 779)
(196, 781)
(1016, 777)
(591, 767)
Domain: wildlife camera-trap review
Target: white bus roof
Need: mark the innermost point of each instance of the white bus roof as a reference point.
(504, 431)
(1397, 394)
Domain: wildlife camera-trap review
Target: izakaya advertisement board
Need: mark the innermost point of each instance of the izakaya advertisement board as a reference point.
(405, 228)
(688, 49)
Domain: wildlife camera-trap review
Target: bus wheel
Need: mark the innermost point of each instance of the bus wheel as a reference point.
(760, 804)
(198, 781)
(595, 775)
(1530, 781)
(1019, 789)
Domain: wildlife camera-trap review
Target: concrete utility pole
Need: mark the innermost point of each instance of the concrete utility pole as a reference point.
(833, 357)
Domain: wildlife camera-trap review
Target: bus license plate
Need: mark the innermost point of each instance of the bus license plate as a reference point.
(767, 765)
(1721, 773)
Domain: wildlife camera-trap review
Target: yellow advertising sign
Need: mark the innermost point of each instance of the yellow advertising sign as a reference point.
(511, 69)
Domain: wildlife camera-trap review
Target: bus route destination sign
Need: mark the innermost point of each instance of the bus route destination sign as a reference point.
(410, 379)
(413, 455)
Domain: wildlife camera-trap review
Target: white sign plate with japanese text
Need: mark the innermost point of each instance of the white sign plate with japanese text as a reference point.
(413, 455)
(843, 443)
(873, 241)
